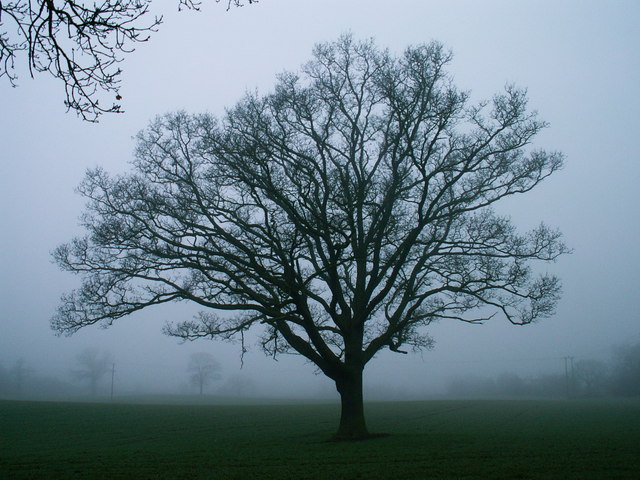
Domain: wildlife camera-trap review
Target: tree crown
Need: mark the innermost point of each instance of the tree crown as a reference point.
(344, 212)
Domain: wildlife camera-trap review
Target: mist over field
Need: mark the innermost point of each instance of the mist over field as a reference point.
(580, 65)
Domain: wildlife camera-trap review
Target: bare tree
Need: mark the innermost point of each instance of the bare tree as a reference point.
(344, 213)
(92, 366)
(5, 382)
(238, 386)
(80, 44)
(592, 374)
(203, 369)
(625, 370)
(19, 373)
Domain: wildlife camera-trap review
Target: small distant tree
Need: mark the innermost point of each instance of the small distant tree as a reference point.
(19, 374)
(510, 384)
(625, 370)
(591, 375)
(4, 380)
(471, 387)
(238, 386)
(92, 365)
(203, 369)
(549, 385)
(344, 213)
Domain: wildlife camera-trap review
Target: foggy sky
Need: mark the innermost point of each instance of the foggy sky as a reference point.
(578, 59)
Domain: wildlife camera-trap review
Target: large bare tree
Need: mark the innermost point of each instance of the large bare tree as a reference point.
(80, 43)
(343, 213)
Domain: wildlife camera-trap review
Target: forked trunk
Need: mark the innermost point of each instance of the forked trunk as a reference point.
(352, 422)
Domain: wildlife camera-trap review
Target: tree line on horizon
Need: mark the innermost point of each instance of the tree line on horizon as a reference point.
(92, 372)
(617, 376)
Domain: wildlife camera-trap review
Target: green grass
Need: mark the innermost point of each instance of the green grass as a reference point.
(431, 439)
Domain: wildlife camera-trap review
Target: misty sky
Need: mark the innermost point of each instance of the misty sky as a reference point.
(578, 59)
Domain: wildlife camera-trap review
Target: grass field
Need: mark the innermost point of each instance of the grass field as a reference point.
(430, 439)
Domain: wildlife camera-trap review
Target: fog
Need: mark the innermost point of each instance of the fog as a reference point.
(580, 63)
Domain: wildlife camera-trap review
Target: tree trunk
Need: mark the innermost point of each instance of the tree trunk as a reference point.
(352, 422)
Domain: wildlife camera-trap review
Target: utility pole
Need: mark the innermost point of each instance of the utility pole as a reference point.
(113, 374)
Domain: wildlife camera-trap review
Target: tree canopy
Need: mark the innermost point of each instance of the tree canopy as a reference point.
(80, 44)
(344, 212)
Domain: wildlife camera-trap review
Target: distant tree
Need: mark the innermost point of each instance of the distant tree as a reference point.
(625, 370)
(344, 212)
(471, 387)
(591, 375)
(238, 386)
(4, 380)
(549, 385)
(81, 44)
(92, 365)
(510, 384)
(19, 374)
(203, 369)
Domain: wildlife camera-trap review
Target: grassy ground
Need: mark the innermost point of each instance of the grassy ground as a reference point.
(432, 439)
